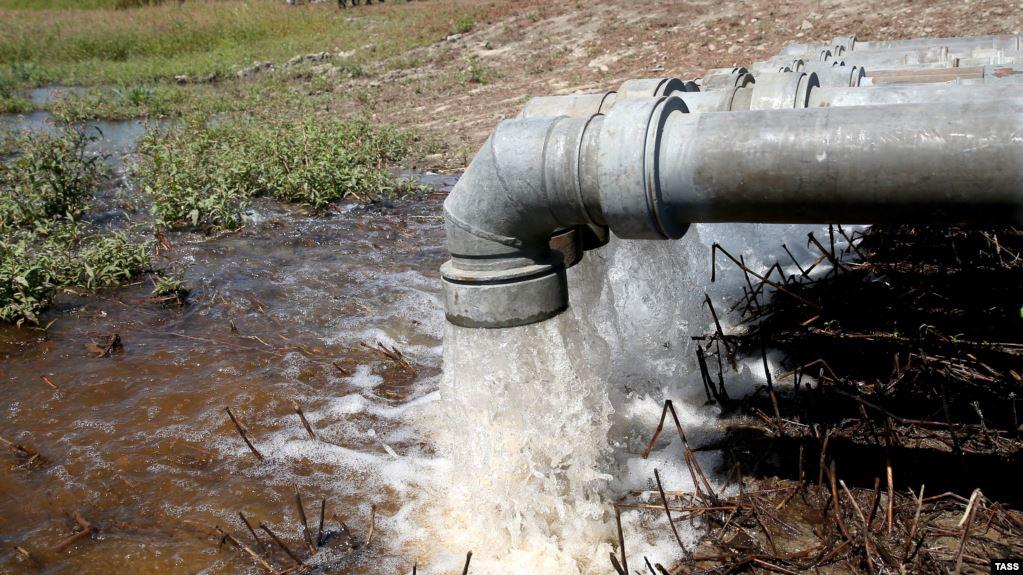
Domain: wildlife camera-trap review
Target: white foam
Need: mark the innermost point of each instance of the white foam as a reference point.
(544, 425)
(535, 431)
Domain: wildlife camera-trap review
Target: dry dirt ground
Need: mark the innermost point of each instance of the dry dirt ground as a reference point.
(459, 89)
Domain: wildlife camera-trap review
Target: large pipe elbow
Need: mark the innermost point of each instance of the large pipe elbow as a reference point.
(518, 190)
(535, 176)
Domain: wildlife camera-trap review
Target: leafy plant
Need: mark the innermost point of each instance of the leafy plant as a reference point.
(475, 72)
(464, 24)
(26, 282)
(45, 188)
(170, 287)
(203, 176)
(50, 178)
(109, 260)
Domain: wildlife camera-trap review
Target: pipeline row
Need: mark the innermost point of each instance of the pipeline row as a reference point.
(917, 71)
(874, 132)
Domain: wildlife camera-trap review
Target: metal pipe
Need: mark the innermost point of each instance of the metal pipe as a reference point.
(725, 79)
(647, 169)
(851, 44)
(907, 163)
(576, 105)
(836, 74)
(825, 97)
(1000, 41)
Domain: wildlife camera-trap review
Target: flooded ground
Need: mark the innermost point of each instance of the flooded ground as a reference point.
(114, 140)
(138, 440)
(516, 451)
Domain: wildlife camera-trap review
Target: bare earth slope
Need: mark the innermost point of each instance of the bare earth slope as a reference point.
(461, 88)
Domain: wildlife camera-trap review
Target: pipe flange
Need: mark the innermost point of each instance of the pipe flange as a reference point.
(507, 298)
(650, 88)
(568, 243)
(829, 76)
(628, 169)
(782, 90)
(723, 78)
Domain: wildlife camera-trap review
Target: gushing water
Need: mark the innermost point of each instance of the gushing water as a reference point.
(543, 426)
(522, 427)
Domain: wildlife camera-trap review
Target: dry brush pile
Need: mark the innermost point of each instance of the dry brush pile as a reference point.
(889, 440)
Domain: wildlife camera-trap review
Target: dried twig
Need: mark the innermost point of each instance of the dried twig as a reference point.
(667, 512)
(305, 523)
(85, 530)
(624, 567)
(372, 524)
(225, 536)
(281, 544)
(305, 422)
(259, 542)
(242, 432)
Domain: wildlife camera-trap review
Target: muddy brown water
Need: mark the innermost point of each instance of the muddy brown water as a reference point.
(139, 441)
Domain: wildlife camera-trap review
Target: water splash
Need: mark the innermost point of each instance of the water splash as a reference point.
(544, 425)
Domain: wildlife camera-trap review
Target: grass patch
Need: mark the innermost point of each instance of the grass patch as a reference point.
(200, 37)
(464, 24)
(13, 77)
(203, 175)
(15, 105)
(476, 72)
(122, 103)
(74, 4)
(45, 189)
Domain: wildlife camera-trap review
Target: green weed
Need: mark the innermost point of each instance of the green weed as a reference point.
(476, 72)
(170, 287)
(111, 259)
(464, 24)
(203, 176)
(123, 103)
(26, 281)
(50, 178)
(199, 37)
(15, 105)
(45, 189)
(74, 4)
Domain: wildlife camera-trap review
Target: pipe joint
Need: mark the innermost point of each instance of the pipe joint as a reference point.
(534, 178)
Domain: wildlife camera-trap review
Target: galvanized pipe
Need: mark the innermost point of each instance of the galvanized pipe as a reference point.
(960, 162)
(999, 41)
(851, 44)
(826, 97)
(782, 90)
(647, 169)
(725, 79)
(575, 105)
(835, 74)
